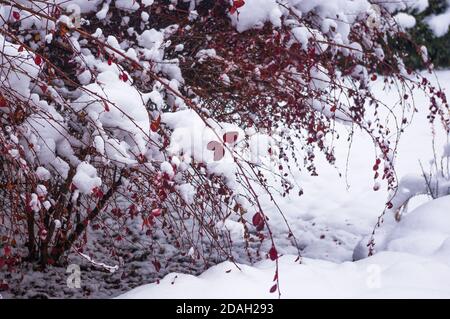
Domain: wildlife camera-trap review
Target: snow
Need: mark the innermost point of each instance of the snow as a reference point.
(86, 178)
(42, 173)
(34, 203)
(151, 39)
(412, 5)
(131, 5)
(331, 231)
(385, 275)
(414, 263)
(411, 256)
(124, 114)
(440, 23)
(57, 223)
(424, 231)
(203, 55)
(145, 16)
(418, 5)
(167, 168)
(41, 190)
(405, 20)
(187, 192)
(256, 12)
(147, 3)
(61, 167)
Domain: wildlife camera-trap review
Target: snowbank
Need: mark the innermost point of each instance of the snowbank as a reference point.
(425, 232)
(415, 263)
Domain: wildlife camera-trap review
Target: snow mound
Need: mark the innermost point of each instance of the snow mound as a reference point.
(414, 264)
(425, 232)
(385, 275)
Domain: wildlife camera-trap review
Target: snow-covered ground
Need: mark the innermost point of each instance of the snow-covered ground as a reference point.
(336, 212)
(415, 264)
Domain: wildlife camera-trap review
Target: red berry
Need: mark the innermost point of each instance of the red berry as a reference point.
(37, 59)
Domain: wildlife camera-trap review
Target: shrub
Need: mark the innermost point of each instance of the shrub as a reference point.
(172, 115)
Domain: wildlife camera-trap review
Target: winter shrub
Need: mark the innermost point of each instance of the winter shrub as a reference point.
(173, 115)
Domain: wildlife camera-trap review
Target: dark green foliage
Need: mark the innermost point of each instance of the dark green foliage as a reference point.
(438, 47)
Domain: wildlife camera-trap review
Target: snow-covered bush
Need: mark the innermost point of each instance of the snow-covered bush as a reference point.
(428, 24)
(168, 114)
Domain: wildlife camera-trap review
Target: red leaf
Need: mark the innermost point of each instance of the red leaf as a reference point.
(154, 126)
(109, 61)
(273, 289)
(16, 15)
(260, 227)
(273, 254)
(374, 77)
(257, 219)
(124, 77)
(157, 265)
(2, 101)
(106, 106)
(97, 192)
(37, 59)
(230, 137)
(236, 5)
